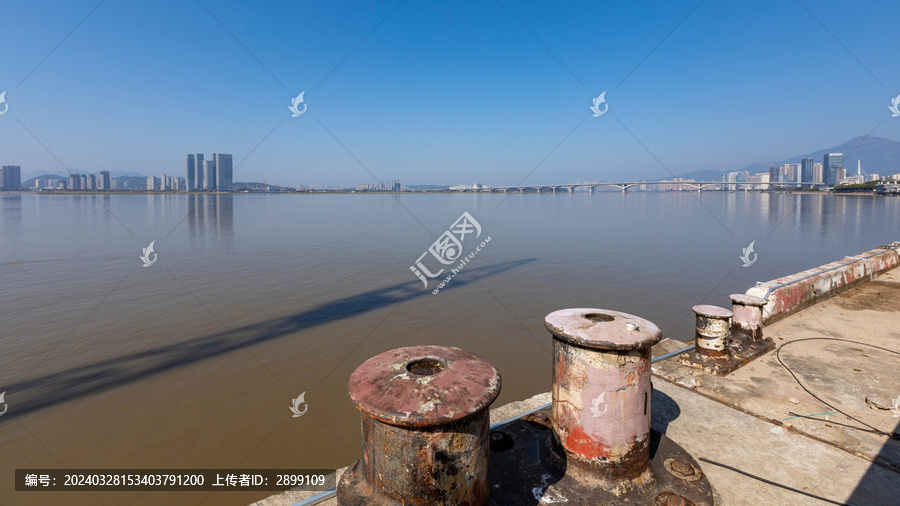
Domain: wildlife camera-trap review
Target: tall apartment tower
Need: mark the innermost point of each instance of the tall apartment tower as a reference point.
(92, 182)
(830, 166)
(191, 172)
(209, 174)
(222, 163)
(807, 171)
(199, 181)
(817, 173)
(11, 177)
(104, 180)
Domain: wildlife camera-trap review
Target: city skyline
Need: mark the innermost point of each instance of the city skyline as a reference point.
(497, 93)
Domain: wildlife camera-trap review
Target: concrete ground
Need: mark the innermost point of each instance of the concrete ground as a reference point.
(743, 420)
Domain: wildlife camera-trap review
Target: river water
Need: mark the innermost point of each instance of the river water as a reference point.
(193, 361)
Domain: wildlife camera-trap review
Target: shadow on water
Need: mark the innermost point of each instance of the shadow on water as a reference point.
(53, 389)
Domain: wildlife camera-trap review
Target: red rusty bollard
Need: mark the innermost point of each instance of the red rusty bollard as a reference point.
(601, 389)
(748, 316)
(425, 428)
(713, 330)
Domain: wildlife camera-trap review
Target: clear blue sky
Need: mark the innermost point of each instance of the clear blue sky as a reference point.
(441, 92)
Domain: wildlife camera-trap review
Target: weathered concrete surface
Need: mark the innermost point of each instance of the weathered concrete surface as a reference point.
(820, 283)
(843, 374)
(708, 429)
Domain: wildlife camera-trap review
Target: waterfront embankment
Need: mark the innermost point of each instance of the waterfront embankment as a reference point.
(809, 422)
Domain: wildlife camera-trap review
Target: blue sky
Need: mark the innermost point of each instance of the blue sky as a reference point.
(441, 93)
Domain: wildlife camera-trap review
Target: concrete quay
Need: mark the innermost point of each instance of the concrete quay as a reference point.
(809, 422)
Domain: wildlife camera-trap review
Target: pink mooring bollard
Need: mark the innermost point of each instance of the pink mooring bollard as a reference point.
(601, 388)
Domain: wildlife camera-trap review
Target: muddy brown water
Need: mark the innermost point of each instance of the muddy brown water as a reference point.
(193, 362)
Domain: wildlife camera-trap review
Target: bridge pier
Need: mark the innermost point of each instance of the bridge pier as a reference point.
(592, 189)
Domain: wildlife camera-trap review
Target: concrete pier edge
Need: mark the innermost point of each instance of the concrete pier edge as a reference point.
(785, 296)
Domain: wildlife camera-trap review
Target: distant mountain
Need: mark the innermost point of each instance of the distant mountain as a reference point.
(878, 156)
(29, 183)
(43, 174)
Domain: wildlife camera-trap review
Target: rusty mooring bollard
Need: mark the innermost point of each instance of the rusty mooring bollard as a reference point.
(425, 428)
(748, 316)
(713, 330)
(593, 444)
(726, 340)
(601, 388)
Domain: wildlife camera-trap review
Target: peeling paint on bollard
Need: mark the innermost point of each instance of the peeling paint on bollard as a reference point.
(726, 340)
(748, 316)
(425, 428)
(601, 387)
(713, 330)
(594, 445)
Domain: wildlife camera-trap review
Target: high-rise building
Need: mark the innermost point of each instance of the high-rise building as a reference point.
(11, 177)
(807, 171)
(817, 173)
(209, 175)
(74, 180)
(84, 181)
(223, 171)
(164, 183)
(199, 181)
(152, 183)
(191, 170)
(830, 165)
(840, 175)
(104, 180)
(774, 174)
(92, 182)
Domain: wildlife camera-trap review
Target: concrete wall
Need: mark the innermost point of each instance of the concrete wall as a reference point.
(808, 287)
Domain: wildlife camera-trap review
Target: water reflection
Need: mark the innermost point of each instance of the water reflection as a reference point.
(10, 216)
(211, 217)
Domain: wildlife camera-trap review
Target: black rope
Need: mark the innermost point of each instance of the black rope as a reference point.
(892, 435)
(770, 482)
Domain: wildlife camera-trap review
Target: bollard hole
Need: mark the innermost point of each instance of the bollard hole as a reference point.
(599, 317)
(425, 366)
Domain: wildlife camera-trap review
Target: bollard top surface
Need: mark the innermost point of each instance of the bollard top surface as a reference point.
(602, 329)
(747, 300)
(422, 386)
(712, 311)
